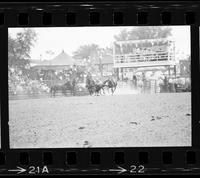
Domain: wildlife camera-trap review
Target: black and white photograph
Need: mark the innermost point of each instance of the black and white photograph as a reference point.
(87, 87)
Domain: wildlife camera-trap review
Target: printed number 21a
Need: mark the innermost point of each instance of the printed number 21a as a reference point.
(38, 170)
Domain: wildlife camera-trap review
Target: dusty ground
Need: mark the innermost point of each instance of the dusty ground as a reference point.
(101, 121)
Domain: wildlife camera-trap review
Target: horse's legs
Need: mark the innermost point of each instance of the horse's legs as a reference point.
(112, 90)
(90, 91)
(96, 91)
(55, 93)
(93, 92)
(51, 92)
(104, 91)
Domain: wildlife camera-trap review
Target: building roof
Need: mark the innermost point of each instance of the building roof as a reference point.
(63, 59)
(107, 59)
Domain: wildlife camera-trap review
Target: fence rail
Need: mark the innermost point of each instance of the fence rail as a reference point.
(131, 58)
(44, 95)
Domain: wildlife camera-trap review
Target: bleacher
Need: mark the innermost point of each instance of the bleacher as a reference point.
(151, 55)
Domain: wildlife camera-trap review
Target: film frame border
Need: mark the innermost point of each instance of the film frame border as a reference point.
(111, 160)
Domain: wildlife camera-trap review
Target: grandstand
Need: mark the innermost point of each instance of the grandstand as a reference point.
(146, 53)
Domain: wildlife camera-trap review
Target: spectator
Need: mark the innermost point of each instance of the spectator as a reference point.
(134, 81)
(144, 80)
(166, 84)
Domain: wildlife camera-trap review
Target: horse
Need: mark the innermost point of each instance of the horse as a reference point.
(63, 88)
(110, 84)
(93, 87)
(99, 88)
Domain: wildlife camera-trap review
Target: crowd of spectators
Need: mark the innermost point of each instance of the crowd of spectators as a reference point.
(39, 81)
(149, 50)
(23, 84)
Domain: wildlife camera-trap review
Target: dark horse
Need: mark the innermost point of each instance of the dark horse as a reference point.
(93, 87)
(110, 84)
(99, 88)
(68, 86)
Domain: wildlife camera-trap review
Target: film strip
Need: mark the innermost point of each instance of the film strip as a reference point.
(129, 160)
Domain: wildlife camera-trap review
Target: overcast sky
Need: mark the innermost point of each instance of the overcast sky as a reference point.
(70, 38)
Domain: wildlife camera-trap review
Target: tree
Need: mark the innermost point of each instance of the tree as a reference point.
(107, 51)
(19, 49)
(146, 32)
(86, 51)
(86, 55)
(141, 33)
(124, 34)
(91, 55)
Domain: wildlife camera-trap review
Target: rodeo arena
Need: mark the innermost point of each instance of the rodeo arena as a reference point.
(150, 69)
(131, 97)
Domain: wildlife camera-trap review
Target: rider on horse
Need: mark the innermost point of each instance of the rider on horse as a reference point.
(92, 86)
(90, 83)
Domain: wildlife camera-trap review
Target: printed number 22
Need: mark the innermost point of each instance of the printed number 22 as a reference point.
(137, 169)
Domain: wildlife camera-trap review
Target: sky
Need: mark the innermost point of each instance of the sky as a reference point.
(69, 39)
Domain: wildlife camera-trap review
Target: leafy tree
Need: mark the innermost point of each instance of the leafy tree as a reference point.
(141, 33)
(107, 51)
(86, 54)
(91, 55)
(86, 51)
(124, 35)
(146, 32)
(19, 49)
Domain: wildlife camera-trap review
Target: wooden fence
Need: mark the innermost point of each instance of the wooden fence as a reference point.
(44, 95)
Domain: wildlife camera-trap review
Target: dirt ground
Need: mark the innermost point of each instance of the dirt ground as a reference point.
(132, 120)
